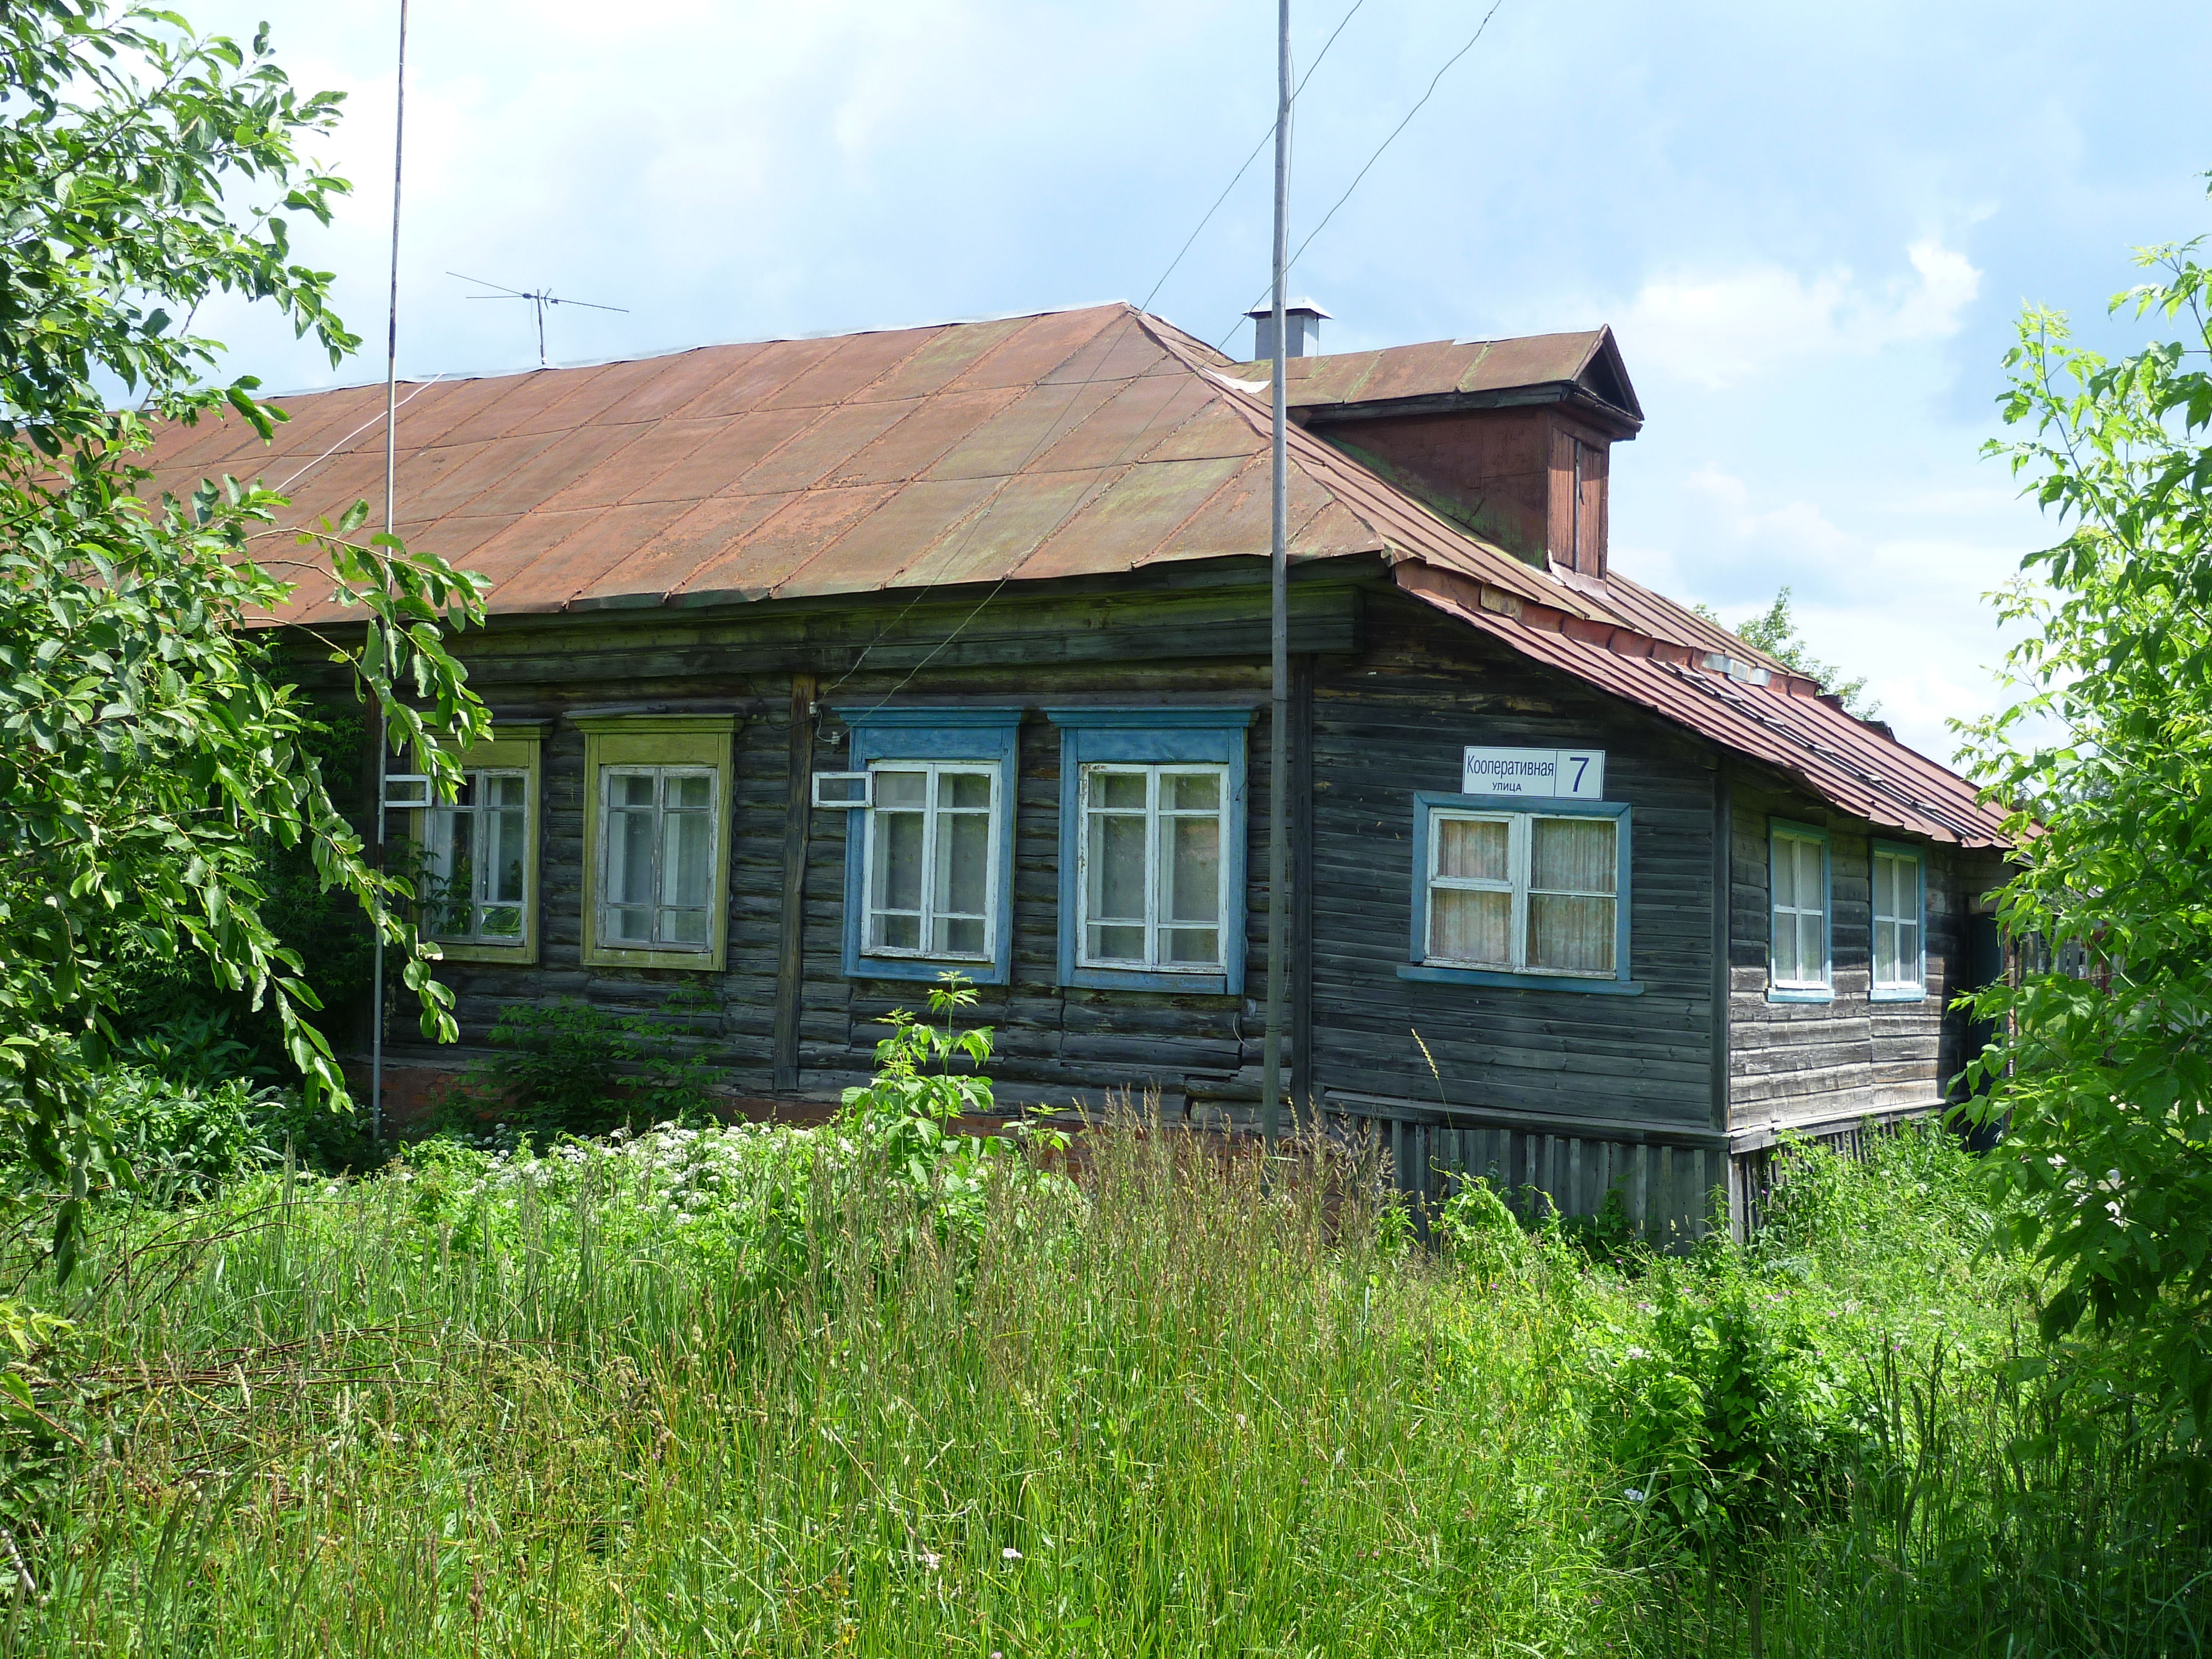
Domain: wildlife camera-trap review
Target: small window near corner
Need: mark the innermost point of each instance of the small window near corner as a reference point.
(1798, 969)
(1900, 960)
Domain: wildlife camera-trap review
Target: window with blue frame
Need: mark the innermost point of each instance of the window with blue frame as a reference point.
(1900, 929)
(1798, 967)
(1151, 848)
(1512, 894)
(929, 860)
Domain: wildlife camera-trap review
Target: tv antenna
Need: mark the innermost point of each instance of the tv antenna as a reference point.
(539, 298)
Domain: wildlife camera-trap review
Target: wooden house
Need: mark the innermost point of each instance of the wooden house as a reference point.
(822, 667)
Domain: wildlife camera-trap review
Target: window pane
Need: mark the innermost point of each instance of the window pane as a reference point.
(1115, 875)
(1116, 944)
(1785, 949)
(1811, 890)
(963, 855)
(683, 926)
(465, 796)
(632, 790)
(503, 922)
(507, 790)
(683, 859)
(902, 788)
(1885, 953)
(1785, 872)
(896, 932)
(1812, 951)
(898, 860)
(1910, 966)
(504, 833)
(966, 791)
(960, 936)
(1197, 793)
(692, 794)
(1192, 946)
(1470, 925)
(630, 855)
(1118, 790)
(1472, 849)
(1571, 934)
(1194, 869)
(1572, 855)
(630, 926)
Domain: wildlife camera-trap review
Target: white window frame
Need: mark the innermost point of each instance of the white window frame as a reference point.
(1520, 843)
(1914, 986)
(1152, 771)
(928, 914)
(428, 837)
(1824, 987)
(661, 773)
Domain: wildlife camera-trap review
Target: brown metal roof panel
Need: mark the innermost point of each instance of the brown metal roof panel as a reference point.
(859, 362)
(1137, 415)
(726, 450)
(1043, 344)
(1417, 370)
(822, 448)
(992, 541)
(1238, 519)
(626, 471)
(919, 442)
(950, 354)
(768, 555)
(683, 377)
(686, 546)
(1121, 352)
(450, 477)
(1333, 532)
(603, 540)
(1130, 518)
(1212, 429)
(1012, 439)
(429, 410)
(762, 372)
(513, 405)
(326, 491)
(898, 534)
(1532, 360)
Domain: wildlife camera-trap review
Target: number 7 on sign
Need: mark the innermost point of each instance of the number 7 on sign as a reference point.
(1582, 774)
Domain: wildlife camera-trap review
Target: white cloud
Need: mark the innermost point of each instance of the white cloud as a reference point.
(1715, 331)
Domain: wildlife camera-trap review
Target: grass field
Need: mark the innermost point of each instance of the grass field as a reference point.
(730, 1392)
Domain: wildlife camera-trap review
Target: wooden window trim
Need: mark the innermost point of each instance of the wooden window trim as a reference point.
(1428, 807)
(1778, 831)
(952, 736)
(704, 741)
(1916, 989)
(513, 747)
(1152, 771)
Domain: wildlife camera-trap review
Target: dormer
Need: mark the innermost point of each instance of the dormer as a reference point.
(1510, 439)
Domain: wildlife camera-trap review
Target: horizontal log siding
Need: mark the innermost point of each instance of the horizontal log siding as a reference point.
(1395, 722)
(1810, 1063)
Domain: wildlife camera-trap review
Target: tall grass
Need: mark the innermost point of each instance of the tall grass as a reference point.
(729, 1395)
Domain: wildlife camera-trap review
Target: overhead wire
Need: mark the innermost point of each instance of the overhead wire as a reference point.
(1434, 81)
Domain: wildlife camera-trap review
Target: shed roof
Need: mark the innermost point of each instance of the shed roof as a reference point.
(1084, 442)
(1585, 368)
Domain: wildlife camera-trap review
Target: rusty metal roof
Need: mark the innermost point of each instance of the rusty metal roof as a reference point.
(1070, 443)
(1462, 374)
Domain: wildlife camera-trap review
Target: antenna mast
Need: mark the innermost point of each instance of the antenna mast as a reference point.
(1271, 1084)
(390, 474)
(539, 299)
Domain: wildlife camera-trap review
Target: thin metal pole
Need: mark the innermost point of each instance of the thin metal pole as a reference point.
(1271, 1084)
(390, 474)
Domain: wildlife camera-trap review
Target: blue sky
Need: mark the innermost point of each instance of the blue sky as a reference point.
(1812, 226)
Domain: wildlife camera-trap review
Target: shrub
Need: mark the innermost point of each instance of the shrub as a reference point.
(571, 1068)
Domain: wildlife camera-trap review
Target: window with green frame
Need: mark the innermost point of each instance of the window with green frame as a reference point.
(657, 810)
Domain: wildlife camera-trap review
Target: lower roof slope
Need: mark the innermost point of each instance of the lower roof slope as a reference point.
(1086, 443)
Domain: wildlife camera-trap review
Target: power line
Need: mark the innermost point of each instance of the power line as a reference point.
(1254, 156)
(1433, 83)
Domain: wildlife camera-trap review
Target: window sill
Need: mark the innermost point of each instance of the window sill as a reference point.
(698, 962)
(925, 967)
(1899, 994)
(515, 956)
(1512, 981)
(1144, 978)
(1777, 994)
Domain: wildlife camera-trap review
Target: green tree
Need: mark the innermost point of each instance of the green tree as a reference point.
(2105, 761)
(148, 734)
(1776, 634)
